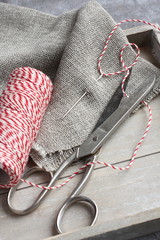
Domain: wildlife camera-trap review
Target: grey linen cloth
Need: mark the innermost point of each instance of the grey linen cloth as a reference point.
(66, 48)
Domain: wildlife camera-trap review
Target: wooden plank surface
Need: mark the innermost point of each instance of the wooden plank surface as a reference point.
(133, 194)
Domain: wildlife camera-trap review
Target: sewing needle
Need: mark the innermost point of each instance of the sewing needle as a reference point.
(74, 105)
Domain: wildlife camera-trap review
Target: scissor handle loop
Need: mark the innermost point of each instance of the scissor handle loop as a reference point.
(38, 200)
(89, 202)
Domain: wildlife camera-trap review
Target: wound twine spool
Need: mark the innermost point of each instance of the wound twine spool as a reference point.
(22, 106)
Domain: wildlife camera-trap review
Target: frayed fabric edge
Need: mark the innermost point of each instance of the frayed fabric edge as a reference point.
(49, 161)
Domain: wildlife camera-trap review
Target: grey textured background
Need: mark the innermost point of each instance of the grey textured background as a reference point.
(148, 10)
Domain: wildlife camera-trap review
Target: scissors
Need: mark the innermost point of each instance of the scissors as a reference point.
(111, 118)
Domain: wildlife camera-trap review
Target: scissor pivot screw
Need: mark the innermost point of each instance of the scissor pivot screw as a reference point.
(95, 138)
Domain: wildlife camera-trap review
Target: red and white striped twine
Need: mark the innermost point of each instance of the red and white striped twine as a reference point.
(22, 106)
(124, 69)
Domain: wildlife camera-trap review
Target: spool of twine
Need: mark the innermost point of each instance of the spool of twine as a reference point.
(22, 106)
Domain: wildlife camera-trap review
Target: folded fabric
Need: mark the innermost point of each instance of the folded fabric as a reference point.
(66, 48)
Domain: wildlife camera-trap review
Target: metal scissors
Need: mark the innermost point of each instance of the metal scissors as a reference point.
(111, 118)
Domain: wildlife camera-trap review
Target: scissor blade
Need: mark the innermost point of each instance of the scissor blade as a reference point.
(113, 103)
(106, 129)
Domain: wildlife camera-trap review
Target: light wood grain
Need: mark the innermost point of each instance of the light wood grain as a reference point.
(118, 194)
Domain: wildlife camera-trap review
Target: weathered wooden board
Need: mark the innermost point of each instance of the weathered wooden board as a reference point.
(133, 194)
